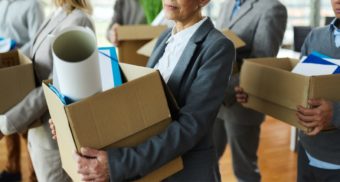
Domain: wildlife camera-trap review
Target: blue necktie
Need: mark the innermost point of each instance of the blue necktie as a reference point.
(337, 37)
(235, 9)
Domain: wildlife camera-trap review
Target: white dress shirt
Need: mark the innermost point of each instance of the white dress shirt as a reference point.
(174, 49)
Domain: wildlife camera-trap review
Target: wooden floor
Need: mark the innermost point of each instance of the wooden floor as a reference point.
(277, 162)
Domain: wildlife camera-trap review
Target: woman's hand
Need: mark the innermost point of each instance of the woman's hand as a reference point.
(113, 36)
(318, 117)
(92, 165)
(53, 131)
(241, 96)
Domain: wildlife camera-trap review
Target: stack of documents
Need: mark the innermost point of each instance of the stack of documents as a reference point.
(317, 64)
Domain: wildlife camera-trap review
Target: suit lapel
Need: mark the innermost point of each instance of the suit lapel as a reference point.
(247, 6)
(47, 29)
(189, 51)
(158, 52)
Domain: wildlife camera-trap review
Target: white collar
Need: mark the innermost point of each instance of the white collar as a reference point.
(185, 33)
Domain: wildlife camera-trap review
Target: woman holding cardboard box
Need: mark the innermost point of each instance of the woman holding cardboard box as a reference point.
(43, 150)
(195, 61)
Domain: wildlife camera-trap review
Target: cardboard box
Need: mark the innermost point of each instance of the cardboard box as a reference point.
(9, 59)
(120, 117)
(131, 38)
(146, 49)
(16, 81)
(238, 42)
(276, 91)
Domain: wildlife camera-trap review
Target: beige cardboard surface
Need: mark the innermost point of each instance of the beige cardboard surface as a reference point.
(96, 122)
(16, 81)
(146, 49)
(238, 42)
(132, 38)
(275, 91)
(8, 59)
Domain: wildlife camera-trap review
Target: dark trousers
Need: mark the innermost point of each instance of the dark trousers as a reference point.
(307, 173)
(13, 156)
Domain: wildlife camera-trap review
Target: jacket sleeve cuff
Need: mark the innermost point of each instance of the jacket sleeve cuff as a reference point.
(5, 126)
(116, 167)
(336, 114)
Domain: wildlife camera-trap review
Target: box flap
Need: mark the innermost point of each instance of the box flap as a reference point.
(238, 42)
(64, 134)
(139, 103)
(271, 80)
(146, 50)
(127, 52)
(139, 32)
(132, 72)
(17, 82)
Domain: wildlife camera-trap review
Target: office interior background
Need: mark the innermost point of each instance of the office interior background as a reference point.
(277, 158)
(300, 13)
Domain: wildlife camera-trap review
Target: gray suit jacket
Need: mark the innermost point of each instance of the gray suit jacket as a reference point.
(20, 21)
(198, 83)
(33, 106)
(261, 24)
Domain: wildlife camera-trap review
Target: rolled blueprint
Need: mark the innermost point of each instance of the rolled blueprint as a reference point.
(75, 57)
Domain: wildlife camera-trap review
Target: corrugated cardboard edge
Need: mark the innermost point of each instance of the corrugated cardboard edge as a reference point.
(285, 115)
(238, 42)
(146, 50)
(59, 117)
(21, 86)
(168, 169)
(139, 32)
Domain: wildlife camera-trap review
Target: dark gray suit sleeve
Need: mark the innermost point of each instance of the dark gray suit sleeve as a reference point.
(195, 119)
(26, 112)
(336, 114)
(270, 31)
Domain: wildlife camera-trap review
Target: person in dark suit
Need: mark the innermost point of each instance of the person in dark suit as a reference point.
(195, 60)
(261, 25)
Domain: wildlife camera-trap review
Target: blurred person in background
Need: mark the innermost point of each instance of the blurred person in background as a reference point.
(319, 151)
(43, 150)
(261, 25)
(19, 23)
(132, 12)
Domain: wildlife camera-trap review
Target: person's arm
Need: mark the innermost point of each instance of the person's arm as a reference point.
(35, 17)
(305, 47)
(194, 121)
(336, 114)
(117, 19)
(269, 33)
(24, 113)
